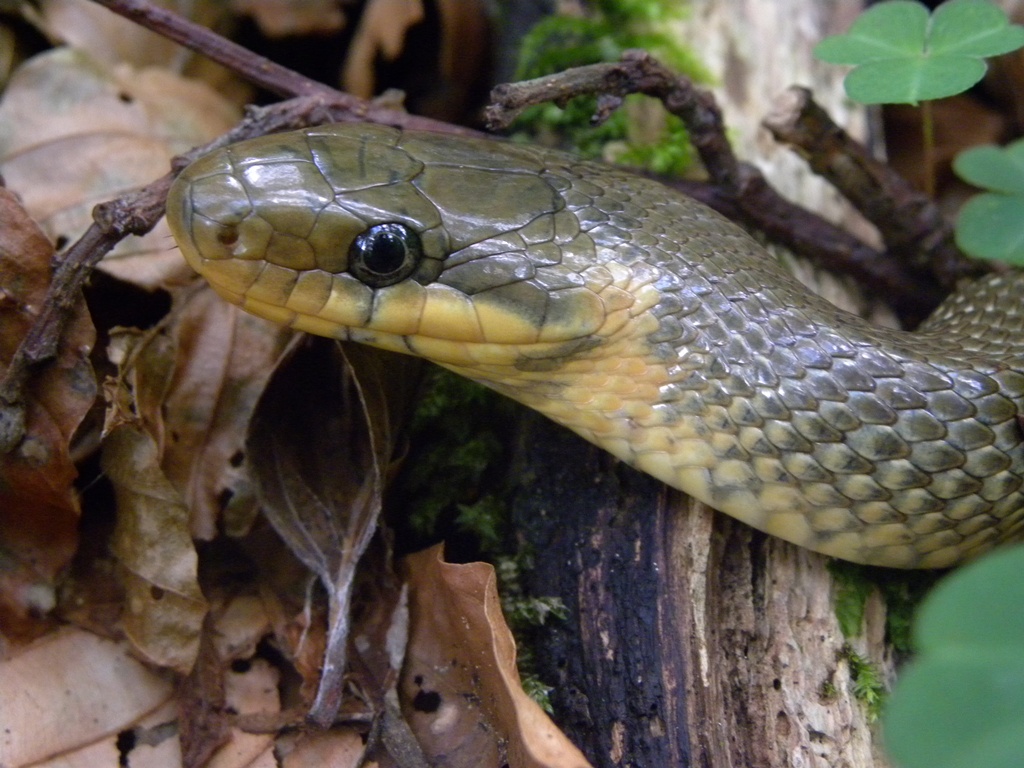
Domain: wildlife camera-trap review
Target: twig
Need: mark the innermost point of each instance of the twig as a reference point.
(739, 189)
(254, 68)
(636, 72)
(908, 220)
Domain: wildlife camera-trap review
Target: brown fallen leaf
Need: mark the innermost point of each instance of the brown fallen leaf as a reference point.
(441, 77)
(197, 386)
(460, 690)
(380, 35)
(75, 132)
(242, 686)
(38, 504)
(194, 382)
(319, 446)
(288, 18)
(164, 609)
(336, 748)
(203, 719)
(226, 682)
(113, 39)
(249, 689)
(72, 691)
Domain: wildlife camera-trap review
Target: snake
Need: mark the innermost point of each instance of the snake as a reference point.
(638, 318)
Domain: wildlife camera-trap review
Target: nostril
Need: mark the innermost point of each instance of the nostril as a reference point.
(227, 235)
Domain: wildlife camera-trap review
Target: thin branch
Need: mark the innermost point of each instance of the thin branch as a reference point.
(636, 72)
(254, 68)
(910, 223)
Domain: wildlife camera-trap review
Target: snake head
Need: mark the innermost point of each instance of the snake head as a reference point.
(464, 251)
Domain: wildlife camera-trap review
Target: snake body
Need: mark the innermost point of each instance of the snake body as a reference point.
(640, 319)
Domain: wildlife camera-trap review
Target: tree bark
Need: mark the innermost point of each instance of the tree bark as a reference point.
(693, 639)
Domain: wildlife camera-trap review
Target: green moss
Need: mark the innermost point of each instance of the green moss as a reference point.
(610, 28)
(902, 597)
(656, 143)
(524, 614)
(537, 690)
(902, 592)
(853, 587)
(868, 687)
(455, 438)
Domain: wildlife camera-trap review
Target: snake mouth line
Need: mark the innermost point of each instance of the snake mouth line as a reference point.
(543, 357)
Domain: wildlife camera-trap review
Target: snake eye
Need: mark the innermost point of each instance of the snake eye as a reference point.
(385, 254)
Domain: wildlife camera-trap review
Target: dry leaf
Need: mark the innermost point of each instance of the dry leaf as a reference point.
(380, 35)
(219, 689)
(74, 133)
(290, 18)
(441, 77)
(203, 718)
(252, 688)
(199, 409)
(336, 748)
(319, 444)
(69, 691)
(38, 505)
(165, 607)
(152, 742)
(111, 38)
(242, 688)
(194, 385)
(240, 626)
(460, 689)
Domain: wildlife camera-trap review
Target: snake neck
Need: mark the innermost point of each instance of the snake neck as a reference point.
(766, 402)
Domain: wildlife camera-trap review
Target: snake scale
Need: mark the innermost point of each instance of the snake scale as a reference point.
(638, 318)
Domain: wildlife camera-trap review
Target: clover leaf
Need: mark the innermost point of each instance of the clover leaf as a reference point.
(903, 55)
(991, 224)
(960, 703)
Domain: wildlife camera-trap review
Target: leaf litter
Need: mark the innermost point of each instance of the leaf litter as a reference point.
(38, 505)
(237, 642)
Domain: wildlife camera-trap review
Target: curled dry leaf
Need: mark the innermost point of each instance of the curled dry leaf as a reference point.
(341, 748)
(250, 685)
(319, 445)
(196, 385)
(251, 688)
(286, 18)
(203, 718)
(111, 38)
(380, 35)
(74, 133)
(443, 79)
(73, 691)
(222, 686)
(239, 627)
(38, 505)
(460, 689)
(164, 608)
